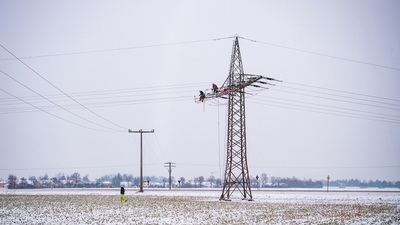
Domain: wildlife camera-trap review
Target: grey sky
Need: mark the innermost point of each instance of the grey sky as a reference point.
(328, 116)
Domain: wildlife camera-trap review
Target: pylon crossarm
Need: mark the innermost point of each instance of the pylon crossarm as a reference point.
(237, 86)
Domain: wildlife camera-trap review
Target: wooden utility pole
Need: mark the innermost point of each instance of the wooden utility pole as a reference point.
(141, 153)
(170, 171)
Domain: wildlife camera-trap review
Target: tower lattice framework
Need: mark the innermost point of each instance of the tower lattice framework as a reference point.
(236, 176)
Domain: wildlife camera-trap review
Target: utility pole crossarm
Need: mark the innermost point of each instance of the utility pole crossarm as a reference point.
(140, 131)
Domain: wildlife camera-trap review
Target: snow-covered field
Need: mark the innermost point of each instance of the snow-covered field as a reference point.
(102, 206)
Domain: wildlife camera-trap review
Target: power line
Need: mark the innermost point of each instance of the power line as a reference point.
(180, 89)
(205, 165)
(158, 143)
(152, 153)
(205, 40)
(342, 91)
(65, 120)
(334, 110)
(259, 99)
(297, 167)
(339, 100)
(330, 167)
(181, 98)
(328, 106)
(112, 101)
(330, 112)
(130, 96)
(63, 108)
(330, 109)
(143, 91)
(322, 54)
(111, 104)
(119, 49)
(34, 71)
(341, 96)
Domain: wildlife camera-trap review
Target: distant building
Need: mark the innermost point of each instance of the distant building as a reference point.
(106, 184)
(3, 184)
(125, 184)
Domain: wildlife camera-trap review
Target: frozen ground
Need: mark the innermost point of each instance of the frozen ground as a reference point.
(102, 206)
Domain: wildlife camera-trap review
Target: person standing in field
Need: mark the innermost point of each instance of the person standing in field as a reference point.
(122, 192)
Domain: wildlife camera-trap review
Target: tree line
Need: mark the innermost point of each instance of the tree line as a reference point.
(75, 180)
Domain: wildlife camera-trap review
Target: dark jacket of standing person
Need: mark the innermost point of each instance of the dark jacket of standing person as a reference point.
(123, 194)
(202, 96)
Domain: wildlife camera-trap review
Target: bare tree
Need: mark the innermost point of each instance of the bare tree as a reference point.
(264, 179)
(183, 181)
(201, 181)
(211, 179)
(35, 182)
(23, 183)
(76, 177)
(45, 177)
(12, 181)
(86, 179)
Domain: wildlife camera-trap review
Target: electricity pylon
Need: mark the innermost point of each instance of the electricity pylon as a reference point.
(236, 176)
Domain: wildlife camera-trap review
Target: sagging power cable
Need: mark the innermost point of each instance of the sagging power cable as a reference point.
(54, 86)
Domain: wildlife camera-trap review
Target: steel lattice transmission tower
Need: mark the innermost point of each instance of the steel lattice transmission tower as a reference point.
(236, 176)
(236, 171)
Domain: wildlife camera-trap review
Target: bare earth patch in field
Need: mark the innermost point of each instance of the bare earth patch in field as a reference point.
(163, 207)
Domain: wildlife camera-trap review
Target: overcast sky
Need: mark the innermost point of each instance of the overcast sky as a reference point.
(137, 65)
